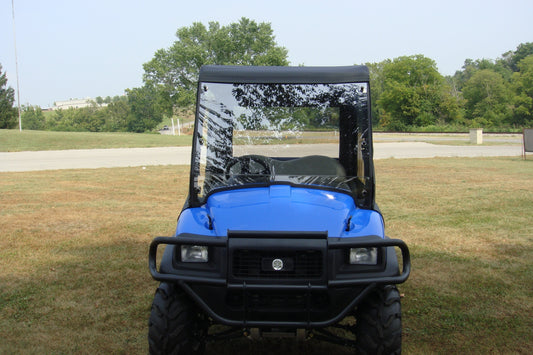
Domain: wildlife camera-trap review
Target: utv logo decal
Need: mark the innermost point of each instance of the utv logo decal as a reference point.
(277, 264)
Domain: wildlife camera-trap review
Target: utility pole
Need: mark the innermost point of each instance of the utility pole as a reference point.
(16, 64)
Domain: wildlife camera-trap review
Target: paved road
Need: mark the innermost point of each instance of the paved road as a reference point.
(107, 158)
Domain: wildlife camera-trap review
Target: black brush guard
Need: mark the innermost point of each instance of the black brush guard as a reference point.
(264, 301)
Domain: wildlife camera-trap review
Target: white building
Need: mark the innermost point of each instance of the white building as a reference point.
(74, 103)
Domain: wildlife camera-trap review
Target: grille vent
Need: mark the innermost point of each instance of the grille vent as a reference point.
(297, 264)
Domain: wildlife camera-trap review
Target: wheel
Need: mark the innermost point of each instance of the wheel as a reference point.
(248, 165)
(378, 328)
(175, 326)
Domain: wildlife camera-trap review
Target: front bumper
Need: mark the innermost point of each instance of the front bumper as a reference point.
(319, 289)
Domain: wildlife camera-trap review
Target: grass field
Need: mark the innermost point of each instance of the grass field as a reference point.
(74, 244)
(15, 141)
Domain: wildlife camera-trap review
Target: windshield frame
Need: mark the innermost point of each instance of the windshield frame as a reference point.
(359, 144)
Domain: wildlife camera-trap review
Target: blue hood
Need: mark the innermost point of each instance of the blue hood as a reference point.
(281, 208)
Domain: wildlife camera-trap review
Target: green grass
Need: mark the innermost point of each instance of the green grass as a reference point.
(74, 245)
(15, 141)
(468, 223)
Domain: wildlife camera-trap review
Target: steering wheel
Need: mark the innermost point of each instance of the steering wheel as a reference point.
(249, 165)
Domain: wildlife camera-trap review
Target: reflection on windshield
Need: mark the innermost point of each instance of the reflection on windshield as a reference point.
(303, 134)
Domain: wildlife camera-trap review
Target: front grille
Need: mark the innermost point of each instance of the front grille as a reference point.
(296, 264)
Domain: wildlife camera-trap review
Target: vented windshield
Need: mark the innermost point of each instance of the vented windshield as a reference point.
(314, 135)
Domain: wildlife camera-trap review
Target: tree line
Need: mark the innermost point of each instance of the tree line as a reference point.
(137, 111)
(408, 93)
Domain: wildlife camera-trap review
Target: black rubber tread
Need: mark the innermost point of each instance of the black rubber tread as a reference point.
(175, 325)
(378, 328)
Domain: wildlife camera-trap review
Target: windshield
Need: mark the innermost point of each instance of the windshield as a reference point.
(314, 135)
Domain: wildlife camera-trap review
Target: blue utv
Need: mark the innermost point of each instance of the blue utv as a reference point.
(280, 234)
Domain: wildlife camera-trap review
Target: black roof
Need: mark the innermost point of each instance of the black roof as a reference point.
(291, 75)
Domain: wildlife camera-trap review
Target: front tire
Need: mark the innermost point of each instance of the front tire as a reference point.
(176, 326)
(378, 328)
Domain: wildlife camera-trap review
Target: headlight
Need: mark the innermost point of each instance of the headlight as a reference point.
(363, 256)
(194, 254)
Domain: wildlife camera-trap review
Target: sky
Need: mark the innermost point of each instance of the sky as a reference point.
(77, 49)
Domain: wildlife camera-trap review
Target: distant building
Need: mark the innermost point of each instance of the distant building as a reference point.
(75, 103)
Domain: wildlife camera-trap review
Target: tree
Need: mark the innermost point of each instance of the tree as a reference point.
(487, 98)
(144, 110)
(173, 72)
(470, 67)
(414, 93)
(522, 85)
(376, 83)
(512, 59)
(116, 116)
(33, 118)
(54, 120)
(90, 119)
(8, 113)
